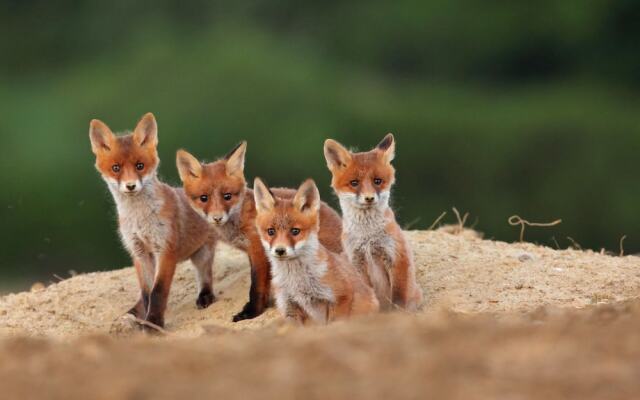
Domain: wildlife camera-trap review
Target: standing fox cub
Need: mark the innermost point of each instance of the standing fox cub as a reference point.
(218, 192)
(310, 282)
(157, 225)
(372, 238)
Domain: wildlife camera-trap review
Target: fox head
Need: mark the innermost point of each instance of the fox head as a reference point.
(288, 228)
(127, 163)
(215, 190)
(362, 180)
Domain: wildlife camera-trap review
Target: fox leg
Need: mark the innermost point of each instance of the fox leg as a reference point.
(405, 290)
(294, 313)
(342, 308)
(144, 271)
(159, 294)
(203, 262)
(260, 283)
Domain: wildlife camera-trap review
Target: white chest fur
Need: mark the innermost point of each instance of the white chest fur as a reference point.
(142, 228)
(300, 281)
(369, 247)
(365, 234)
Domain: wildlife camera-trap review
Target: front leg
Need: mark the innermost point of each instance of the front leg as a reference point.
(160, 291)
(405, 291)
(203, 262)
(144, 272)
(291, 310)
(260, 283)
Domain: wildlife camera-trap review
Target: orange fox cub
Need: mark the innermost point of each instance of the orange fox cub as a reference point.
(156, 223)
(218, 192)
(310, 282)
(372, 238)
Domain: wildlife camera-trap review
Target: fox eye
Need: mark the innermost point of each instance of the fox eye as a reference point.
(204, 198)
(271, 231)
(115, 168)
(377, 181)
(226, 196)
(295, 231)
(354, 183)
(139, 166)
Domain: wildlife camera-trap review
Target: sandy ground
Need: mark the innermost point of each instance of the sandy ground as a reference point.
(501, 320)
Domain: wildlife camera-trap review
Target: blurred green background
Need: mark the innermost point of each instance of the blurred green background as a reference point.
(499, 108)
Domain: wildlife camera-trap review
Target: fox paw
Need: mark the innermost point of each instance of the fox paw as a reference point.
(248, 312)
(205, 299)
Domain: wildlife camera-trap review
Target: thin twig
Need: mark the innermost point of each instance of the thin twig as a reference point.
(576, 245)
(515, 220)
(151, 325)
(437, 220)
(622, 245)
(410, 224)
(461, 221)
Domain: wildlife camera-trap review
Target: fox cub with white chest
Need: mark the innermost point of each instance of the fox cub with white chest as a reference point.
(157, 225)
(311, 283)
(218, 191)
(372, 238)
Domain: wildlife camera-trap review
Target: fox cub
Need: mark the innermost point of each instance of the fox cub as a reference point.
(156, 223)
(218, 192)
(372, 238)
(310, 282)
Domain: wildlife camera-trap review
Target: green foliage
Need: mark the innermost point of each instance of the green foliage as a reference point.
(498, 108)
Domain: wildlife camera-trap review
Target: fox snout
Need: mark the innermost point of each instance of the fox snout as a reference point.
(369, 198)
(281, 252)
(218, 219)
(130, 187)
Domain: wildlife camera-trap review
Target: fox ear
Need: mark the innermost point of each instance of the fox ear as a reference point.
(307, 198)
(100, 135)
(263, 197)
(336, 155)
(188, 166)
(146, 132)
(387, 147)
(235, 159)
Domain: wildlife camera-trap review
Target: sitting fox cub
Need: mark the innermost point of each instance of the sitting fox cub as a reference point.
(310, 282)
(157, 225)
(372, 238)
(218, 192)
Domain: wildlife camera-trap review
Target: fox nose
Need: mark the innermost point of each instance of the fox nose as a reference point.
(130, 186)
(280, 251)
(217, 218)
(369, 199)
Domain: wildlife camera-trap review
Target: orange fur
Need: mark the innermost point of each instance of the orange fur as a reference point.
(218, 192)
(372, 238)
(156, 223)
(311, 282)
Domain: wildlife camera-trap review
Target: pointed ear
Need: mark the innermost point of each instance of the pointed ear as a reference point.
(387, 147)
(336, 155)
(188, 166)
(146, 132)
(263, 197)
(101, 136)
(307, 198)
(235, 159)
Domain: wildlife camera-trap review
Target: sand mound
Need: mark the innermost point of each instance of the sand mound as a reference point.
(501, 320)
(461, 273)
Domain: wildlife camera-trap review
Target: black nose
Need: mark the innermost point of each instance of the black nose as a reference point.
(369, 199)
(280, 251)
(217, 219)
(130, 186)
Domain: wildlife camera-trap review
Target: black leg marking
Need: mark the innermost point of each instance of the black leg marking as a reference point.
(205, 298)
